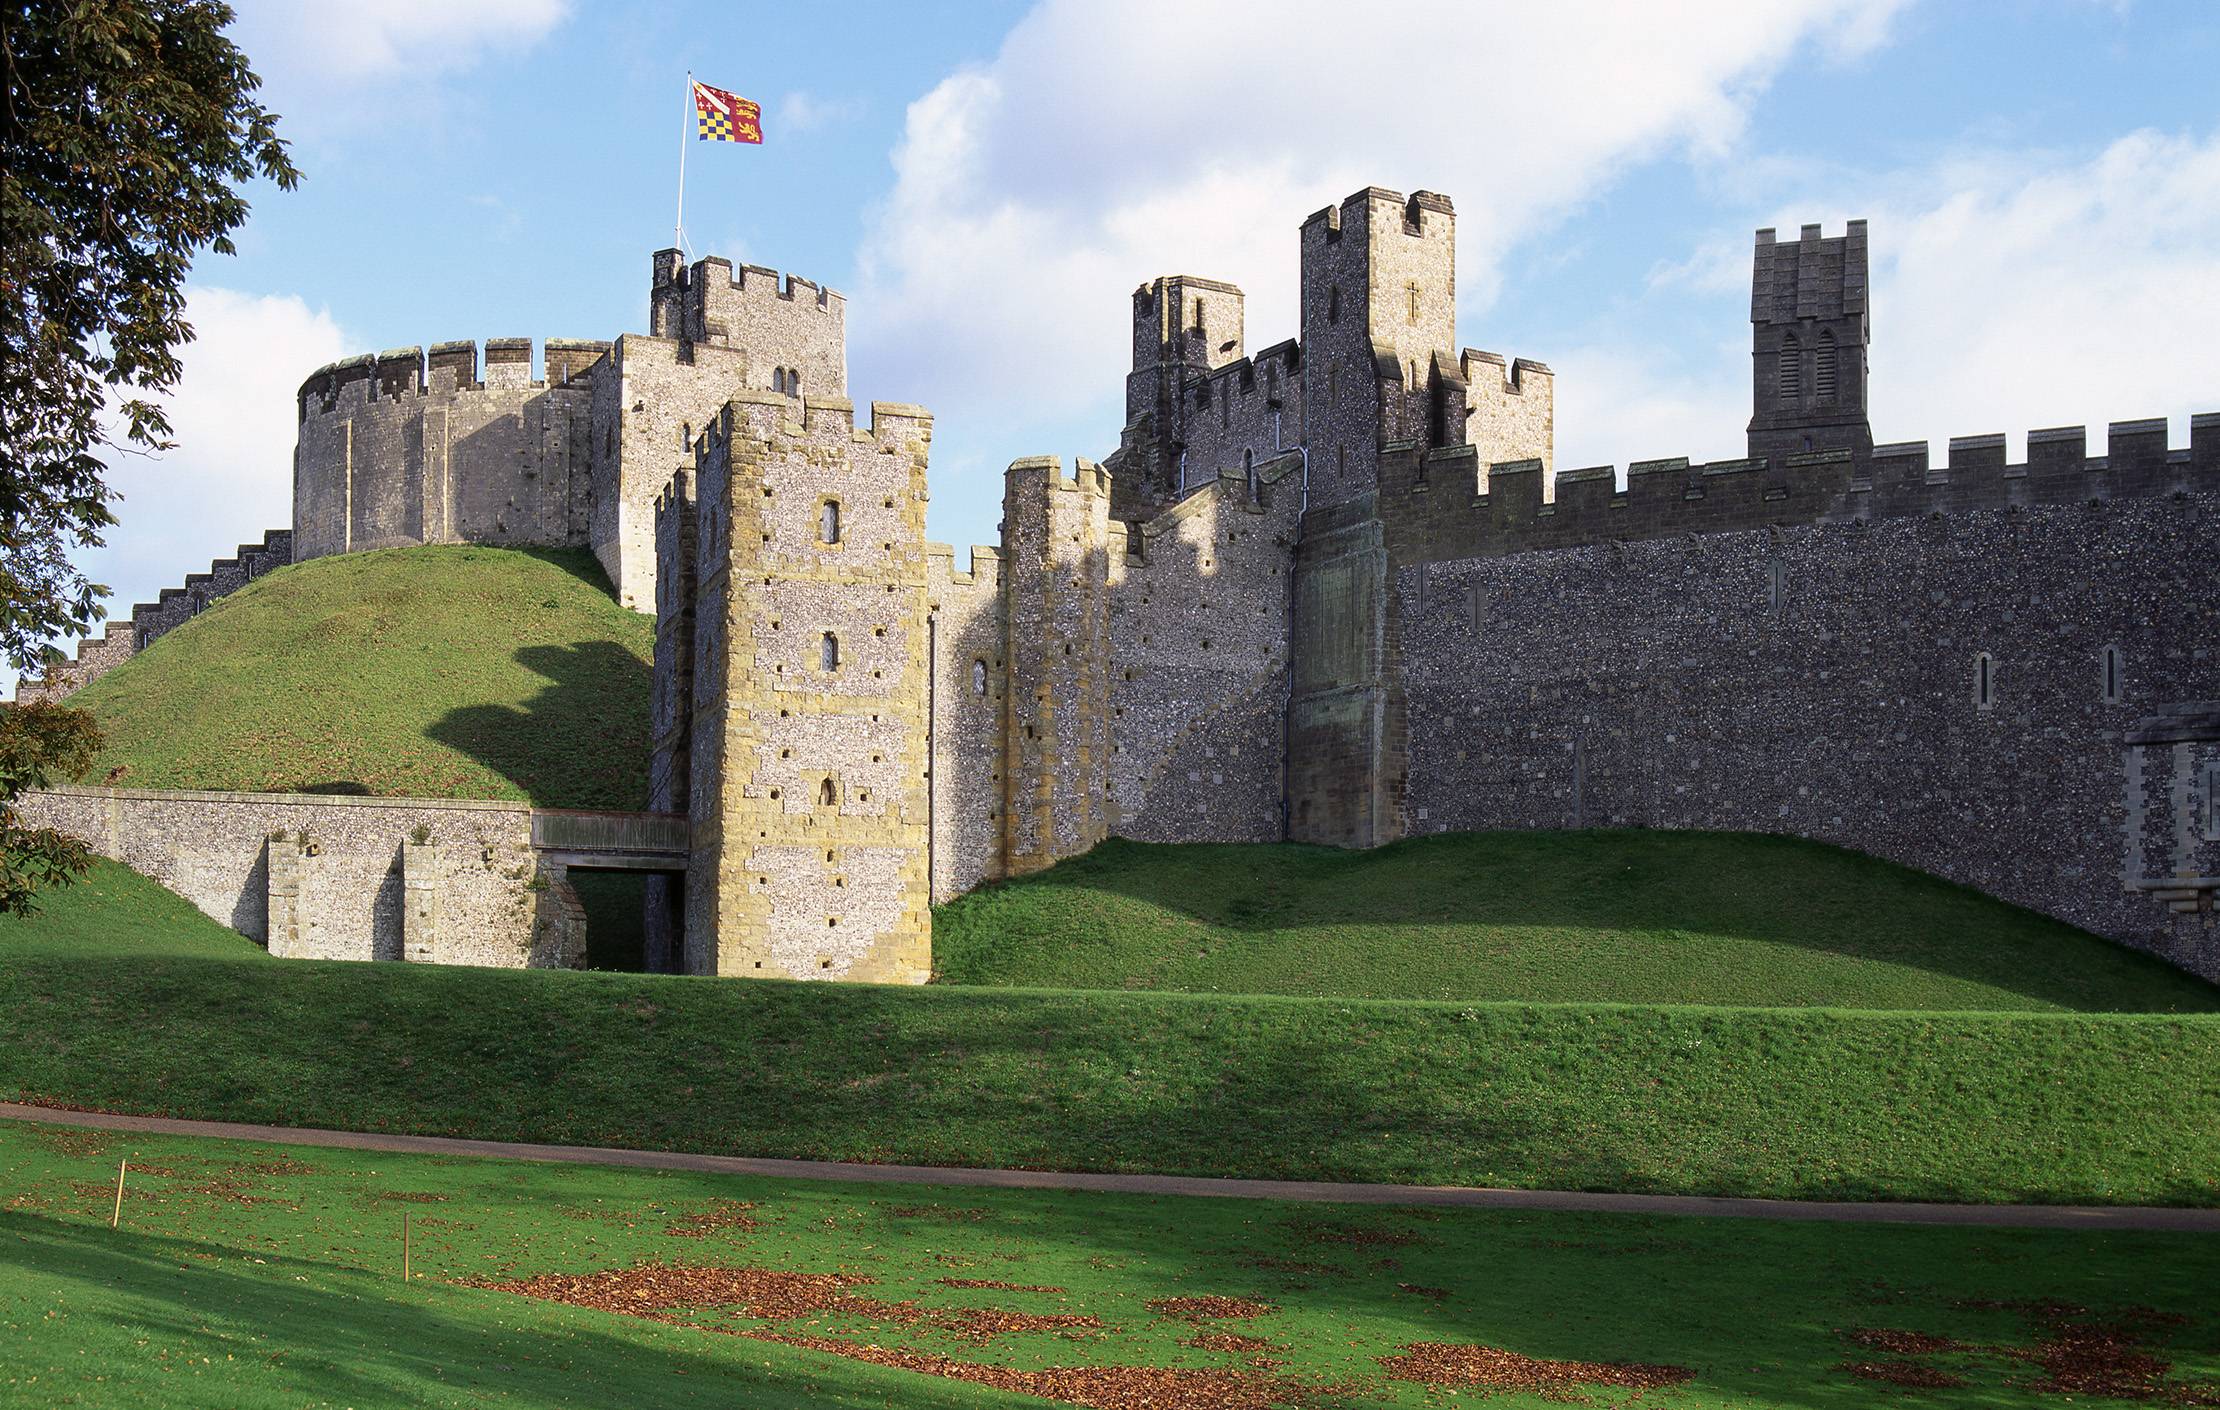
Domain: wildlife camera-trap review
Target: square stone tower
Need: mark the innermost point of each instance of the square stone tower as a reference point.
(802, 703)
(1379, 309)
(1808, 335)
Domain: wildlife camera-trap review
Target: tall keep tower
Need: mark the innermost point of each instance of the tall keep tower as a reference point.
(1808, 335)
(1379, 292)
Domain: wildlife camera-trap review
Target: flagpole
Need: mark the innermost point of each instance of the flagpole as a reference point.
(678, 233)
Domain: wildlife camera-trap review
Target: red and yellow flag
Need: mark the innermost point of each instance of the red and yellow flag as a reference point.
(726, 117)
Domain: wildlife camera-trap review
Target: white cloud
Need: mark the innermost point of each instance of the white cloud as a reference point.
(2012, 290)
(1108, 144)
(805, 112)
(288, 40)
(231, 473)
(2014, 297)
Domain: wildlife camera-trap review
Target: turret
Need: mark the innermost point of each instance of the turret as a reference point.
(1808, 335)
(1380, 362)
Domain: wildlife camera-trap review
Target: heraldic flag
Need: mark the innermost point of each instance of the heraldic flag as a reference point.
(726, 117)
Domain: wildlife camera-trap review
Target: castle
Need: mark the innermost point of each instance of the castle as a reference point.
(1333, 591)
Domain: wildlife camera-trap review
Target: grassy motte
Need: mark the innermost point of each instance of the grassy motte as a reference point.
(252, 1275)
(1623, 915)
(449, 672)
(1787, 1103)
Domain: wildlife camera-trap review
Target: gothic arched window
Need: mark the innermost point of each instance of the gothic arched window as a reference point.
(828, 522)
(828, 653)
(1823, 376)
(1792, 369)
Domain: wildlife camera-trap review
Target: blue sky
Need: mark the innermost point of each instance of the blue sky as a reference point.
(988, 181)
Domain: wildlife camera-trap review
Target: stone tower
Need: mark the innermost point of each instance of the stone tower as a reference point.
(802, 702)
(1379, 310)
(1808, 335)
(1184, 329)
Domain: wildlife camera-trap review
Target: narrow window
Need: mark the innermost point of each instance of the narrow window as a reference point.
(1341, 461)
(1135, 545)
(1413, 292)
(685, 435)
(826, 793)
(1421, 585)
(1778, 592)
(1792, 369)
(978, 678)
(793, 382)
(2112, 675)
(828, 521)
(1202, 397)
(1984, 681)
(1476, 604)
(1198, 315)
(778, 379)
(1333, 304)
(2212, 802)
(1823, 379)
(1248, 472)
(828, 653)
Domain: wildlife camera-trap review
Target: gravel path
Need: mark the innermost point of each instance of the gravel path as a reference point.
(2028, 1216)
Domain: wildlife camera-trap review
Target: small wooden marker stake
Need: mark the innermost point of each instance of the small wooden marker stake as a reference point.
(121, 1166)
(404, 1246)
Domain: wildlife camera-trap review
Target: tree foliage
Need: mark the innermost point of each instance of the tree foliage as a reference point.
(129, 125)
(37, 742)
(128, 128)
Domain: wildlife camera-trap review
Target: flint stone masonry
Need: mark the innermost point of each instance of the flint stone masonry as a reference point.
(446, 881)
(1825, 681)
(806, 712)
(1335, 591)
(411, 447)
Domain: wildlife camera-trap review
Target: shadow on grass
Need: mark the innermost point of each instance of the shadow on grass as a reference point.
(1776, 1103)
(579, 563)
(331, 1333)
(581, 742)
(1649, 886)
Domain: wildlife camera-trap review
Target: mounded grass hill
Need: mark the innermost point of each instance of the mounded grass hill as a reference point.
(422, 672)
(119, 998)
(1619, 916)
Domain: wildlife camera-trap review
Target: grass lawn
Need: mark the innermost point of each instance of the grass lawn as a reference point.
(449, 672)
(251, 1276)
(190, 1020)
(1624, 915)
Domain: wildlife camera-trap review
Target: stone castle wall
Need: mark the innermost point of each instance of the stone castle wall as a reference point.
(399, 450)
(1950, 691)
(1335, 592)
(435, 880)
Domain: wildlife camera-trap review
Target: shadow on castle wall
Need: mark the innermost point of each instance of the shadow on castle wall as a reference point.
(582, 742)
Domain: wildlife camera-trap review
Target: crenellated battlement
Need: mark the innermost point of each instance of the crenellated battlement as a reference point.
(450, 368)
(794, 326)
(150, 621)
(1448, 504)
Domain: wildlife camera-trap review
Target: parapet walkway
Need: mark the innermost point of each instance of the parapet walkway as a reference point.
(2027, 1216)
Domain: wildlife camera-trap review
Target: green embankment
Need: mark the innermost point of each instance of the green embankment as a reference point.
(1621, 915)
(249, 1275)
(1787, 1103)
(420, 672)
